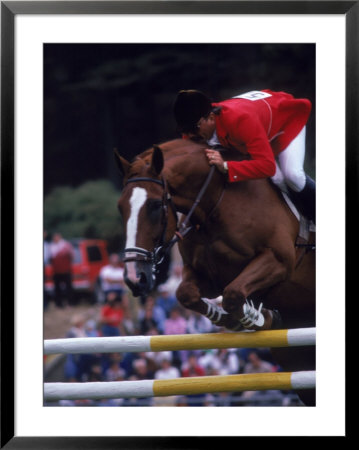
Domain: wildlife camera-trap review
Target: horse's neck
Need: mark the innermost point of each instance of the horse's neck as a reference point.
(186, 170)
(186, 180)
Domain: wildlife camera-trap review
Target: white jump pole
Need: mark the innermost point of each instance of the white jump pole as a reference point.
(270, 338)
(180, 386)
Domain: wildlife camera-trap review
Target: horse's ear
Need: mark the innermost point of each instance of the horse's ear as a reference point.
(122, 163)
(157, 160)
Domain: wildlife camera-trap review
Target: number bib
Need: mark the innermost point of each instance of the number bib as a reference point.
(254, 95)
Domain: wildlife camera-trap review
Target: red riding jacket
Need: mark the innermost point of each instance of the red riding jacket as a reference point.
(261, 124)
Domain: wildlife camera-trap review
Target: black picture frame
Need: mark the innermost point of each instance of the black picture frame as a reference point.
(9, 10)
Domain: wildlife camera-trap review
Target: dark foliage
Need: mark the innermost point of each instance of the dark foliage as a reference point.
(100, 96)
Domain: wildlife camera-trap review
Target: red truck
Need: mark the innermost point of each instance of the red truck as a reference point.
(90, 256)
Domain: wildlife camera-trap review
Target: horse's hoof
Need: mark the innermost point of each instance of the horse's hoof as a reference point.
(252, 318)
(235, 327)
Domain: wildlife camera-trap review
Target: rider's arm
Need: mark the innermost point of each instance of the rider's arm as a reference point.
(248, 131)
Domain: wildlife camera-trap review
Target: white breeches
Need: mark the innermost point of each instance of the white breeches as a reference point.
(290, 163)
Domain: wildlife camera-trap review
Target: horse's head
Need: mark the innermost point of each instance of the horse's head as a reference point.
(149, 219)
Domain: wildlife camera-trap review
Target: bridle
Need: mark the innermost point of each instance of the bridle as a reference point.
(158, 254)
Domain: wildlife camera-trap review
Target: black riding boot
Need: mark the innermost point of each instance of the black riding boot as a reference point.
(305, 199)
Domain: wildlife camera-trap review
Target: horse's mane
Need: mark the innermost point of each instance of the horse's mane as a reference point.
(173, 148)
(178, 148)
(170, 149)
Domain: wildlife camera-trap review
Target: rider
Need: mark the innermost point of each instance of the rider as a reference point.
(267, 126)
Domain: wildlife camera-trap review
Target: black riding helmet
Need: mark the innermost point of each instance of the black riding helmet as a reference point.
(189, 107)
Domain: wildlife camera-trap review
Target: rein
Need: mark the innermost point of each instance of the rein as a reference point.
(184, 226)
(162, 249)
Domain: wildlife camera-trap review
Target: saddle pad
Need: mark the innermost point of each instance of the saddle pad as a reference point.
(305, 226)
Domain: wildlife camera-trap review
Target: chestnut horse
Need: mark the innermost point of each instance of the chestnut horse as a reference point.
(238, 241)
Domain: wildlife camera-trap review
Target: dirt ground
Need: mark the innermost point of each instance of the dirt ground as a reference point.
(57, 322)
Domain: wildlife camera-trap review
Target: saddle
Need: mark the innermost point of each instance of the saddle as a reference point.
(303, 242)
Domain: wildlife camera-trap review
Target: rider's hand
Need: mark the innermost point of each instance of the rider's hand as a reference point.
(215, 159)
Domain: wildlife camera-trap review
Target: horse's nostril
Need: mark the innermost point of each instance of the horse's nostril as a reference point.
(143, 278)
(138, 278)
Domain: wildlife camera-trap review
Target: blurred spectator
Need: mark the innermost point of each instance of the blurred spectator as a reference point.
(198, 324)
(112, 314)
(96, 373)
(148, 324)
(115, 372)
(256, 365)
(176, 324)
(45, 262)
(193, 369)
(77, 365)
(165, 372)
(77, 326)
(61, 257)
(171, 285)
(140, 370)
(223, 361)
(181, 400)
(165, 300)
(151, 317)
(111, 276)
(229, 361)
(106, 402)
(77, 402)
(91, 328)
(47, 251)
(209, 360)
(130, 326)
(152, 365)
(180, 357)
(74, 363)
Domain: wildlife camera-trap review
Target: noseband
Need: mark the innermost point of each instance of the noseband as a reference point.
(162, 249)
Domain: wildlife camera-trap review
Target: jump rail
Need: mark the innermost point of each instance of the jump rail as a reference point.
(180, 386)
(271, 338)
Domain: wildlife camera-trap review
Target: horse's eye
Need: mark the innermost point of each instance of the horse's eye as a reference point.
(154, 208)
(154, 205)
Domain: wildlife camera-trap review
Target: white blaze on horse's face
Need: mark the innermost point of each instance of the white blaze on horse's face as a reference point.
(137, 200)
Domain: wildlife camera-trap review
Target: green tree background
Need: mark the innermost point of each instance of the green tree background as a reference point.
(86, 211)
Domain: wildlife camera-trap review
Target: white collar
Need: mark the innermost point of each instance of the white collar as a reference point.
(213, 141)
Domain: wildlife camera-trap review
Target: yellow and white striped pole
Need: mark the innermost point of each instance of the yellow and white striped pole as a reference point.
(270, 338)
(180, 386)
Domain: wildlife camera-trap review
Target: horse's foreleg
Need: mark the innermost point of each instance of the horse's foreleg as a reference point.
(262, 272)
(189, 295)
